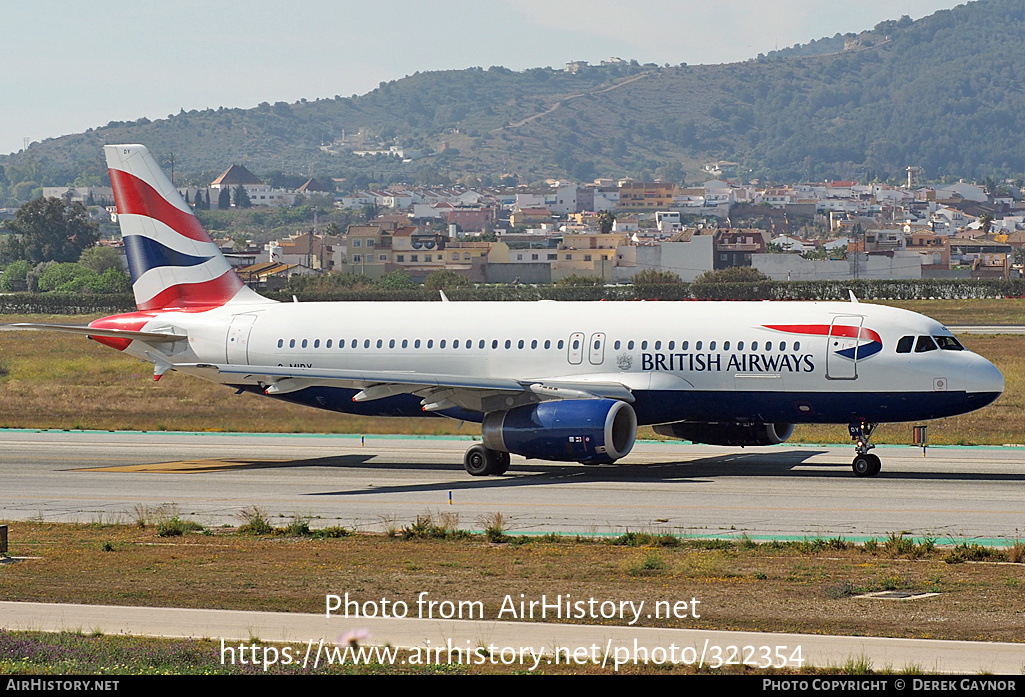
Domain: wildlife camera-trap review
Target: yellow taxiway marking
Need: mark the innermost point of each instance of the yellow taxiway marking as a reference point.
(189, 466)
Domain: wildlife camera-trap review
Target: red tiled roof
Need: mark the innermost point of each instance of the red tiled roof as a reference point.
(235, 175)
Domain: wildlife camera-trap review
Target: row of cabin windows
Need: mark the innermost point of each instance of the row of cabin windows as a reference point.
(521, 343)
(416, 343)
(699, 346)
(928, 343)
(923, 344)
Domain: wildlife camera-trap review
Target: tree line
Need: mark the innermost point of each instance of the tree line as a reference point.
(51, 247)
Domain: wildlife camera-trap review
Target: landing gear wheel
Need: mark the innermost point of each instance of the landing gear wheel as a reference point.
(503, 462)
(866, 465)
(481, 462)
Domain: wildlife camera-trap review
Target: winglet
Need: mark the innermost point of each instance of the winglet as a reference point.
(853, 298)
(444, 298)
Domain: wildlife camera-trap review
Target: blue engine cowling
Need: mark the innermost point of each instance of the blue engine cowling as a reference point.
(591, 431)
(727, 434)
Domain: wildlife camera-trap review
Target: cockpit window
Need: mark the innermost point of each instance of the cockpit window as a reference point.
(949, 343)
(905, 344)
(925, 343)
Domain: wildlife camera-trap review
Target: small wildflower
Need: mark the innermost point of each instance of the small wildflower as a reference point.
(354, 637)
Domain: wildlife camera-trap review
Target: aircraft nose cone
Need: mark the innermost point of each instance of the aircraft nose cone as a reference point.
(983, 376)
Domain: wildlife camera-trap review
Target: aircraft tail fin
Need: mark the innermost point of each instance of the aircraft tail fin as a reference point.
(172, 260)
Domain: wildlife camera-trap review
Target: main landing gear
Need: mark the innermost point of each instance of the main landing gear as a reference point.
(481, 462)
(865, 463)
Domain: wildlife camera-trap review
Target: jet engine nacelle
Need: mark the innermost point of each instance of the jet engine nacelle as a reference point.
(592, 431)
(727, 434)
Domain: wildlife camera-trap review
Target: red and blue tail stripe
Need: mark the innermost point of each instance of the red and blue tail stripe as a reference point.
(173, 262)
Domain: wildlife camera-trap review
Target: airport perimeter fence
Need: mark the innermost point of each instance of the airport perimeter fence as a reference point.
(765, 290)
(65, 303)
(83, 304)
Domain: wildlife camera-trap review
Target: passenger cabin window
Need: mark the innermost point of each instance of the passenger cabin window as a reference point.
(905, 344)
(925, 343)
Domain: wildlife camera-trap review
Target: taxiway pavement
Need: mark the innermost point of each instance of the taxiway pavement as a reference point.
(797, 491)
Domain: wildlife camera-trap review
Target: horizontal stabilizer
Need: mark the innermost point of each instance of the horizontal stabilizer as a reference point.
(150, 337)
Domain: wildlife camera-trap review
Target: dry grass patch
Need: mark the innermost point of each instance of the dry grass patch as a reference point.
(960, 312)
(760, 588)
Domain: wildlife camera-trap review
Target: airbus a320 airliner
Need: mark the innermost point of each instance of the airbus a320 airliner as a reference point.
(565, 381)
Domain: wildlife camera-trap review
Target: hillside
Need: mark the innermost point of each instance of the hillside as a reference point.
(944, 93)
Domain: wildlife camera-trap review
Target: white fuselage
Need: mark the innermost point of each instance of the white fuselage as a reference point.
(713, 361)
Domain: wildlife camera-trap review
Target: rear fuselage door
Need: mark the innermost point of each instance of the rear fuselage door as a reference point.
(238, 339)
(842, 347)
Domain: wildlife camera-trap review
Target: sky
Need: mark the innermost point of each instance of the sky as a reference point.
(73, 65)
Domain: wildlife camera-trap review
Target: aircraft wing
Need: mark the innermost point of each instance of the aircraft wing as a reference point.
(95, 331)
(438, 391)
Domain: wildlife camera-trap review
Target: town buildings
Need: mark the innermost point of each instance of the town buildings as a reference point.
(542, 234)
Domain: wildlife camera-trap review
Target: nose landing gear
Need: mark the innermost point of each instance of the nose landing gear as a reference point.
(865, 463)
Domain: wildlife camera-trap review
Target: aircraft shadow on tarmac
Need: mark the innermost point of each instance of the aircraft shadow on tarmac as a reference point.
(781, 463)
(535, 472)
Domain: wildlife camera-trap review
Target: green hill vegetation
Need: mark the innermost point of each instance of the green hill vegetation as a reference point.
(943, 93)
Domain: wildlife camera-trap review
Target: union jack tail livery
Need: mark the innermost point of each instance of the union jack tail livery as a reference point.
(173, 262)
